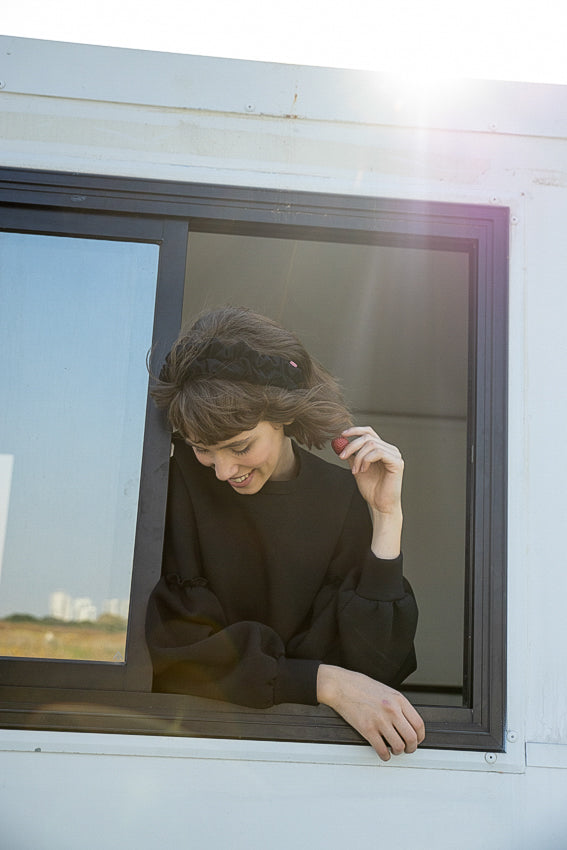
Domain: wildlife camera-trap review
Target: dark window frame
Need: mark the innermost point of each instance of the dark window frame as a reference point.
(91, 696)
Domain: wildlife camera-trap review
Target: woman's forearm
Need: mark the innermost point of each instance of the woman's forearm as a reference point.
(386, 534)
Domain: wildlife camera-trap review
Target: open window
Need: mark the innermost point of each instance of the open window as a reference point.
(405, 301)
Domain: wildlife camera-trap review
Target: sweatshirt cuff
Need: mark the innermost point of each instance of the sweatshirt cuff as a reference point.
(381, 579)
(296, 681)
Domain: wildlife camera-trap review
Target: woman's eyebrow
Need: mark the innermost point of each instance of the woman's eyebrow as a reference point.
(237, 443)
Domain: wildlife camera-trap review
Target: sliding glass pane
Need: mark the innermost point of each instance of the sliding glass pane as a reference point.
(75, 325)
(392, 323)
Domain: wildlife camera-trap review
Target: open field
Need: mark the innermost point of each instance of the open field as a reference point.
(77, 643)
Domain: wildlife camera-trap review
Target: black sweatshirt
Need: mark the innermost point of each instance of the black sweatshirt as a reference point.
(258, 590)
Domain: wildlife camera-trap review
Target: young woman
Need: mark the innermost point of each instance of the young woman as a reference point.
(282, 574)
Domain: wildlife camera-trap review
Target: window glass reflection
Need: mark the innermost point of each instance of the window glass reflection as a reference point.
(392, 324)
(75, 324)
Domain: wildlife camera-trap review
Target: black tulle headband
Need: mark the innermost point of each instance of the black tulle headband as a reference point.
(240, 362)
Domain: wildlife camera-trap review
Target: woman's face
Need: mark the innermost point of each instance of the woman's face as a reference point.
(251, 458)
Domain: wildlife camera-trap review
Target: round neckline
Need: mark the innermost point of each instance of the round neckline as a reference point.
(276, 488)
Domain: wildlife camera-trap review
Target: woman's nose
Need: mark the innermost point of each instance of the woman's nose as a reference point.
(225, 468)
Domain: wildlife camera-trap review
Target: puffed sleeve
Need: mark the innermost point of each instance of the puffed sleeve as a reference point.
(194, 649)
(377, 620)
(365, 615)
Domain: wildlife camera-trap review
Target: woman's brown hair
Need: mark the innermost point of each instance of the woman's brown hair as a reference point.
(208, 408)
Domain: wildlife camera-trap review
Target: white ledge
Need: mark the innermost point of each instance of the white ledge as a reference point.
(546, 755)
(148, 746)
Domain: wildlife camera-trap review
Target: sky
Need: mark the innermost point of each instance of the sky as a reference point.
(71, 307)
(439, 39)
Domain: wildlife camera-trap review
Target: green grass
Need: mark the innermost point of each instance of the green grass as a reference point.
(29, 638)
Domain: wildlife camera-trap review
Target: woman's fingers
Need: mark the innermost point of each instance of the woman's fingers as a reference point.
(364, 431)
(372, 452)
(380, 713)
(364, 452)
(395, 736)
(380, 746)
(415, 720)
(367, 447)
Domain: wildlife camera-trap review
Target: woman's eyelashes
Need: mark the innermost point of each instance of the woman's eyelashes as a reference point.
(203, 451)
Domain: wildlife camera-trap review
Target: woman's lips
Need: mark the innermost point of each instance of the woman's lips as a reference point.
(241, 481)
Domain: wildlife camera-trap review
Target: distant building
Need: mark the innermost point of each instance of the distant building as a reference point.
(84, 610)
(116, 607)
(60, 606)
(66, 608)
(111, 606)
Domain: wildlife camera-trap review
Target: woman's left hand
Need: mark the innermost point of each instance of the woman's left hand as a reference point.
(387, 720)
(378, 468)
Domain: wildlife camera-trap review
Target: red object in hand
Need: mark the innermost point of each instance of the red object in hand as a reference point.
(338, 444)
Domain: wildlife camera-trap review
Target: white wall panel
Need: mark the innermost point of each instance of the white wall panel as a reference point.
(128, 801)
(546, 462)
(168, 80)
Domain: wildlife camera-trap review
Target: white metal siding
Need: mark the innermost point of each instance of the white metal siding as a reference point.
(98, 110)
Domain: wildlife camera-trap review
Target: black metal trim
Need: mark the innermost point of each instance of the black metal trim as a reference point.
(171, 236)
(482, 232)
(133, 712)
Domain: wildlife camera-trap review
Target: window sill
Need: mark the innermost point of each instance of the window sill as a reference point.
(100, 744)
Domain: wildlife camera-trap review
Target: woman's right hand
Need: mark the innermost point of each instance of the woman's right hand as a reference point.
(381, 714)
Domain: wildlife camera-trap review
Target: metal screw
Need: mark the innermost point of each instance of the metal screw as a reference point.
(2, 84)
(492, 126)
(490, 758)
(512, 737)
(250, 107)
(514, 219)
